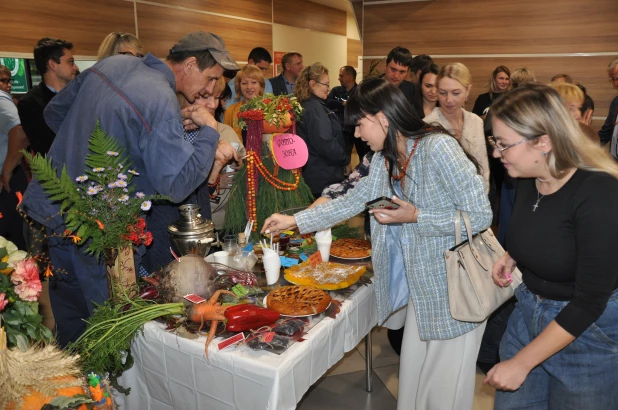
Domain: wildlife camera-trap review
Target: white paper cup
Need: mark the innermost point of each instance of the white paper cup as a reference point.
(272, 276)
(221, 257)
(324, 248)
(272, 266)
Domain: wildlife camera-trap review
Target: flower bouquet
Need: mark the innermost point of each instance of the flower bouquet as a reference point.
(100, 208)
(278, 111)
(20, 286)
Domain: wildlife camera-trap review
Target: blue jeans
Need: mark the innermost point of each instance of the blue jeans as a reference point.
(583, 375)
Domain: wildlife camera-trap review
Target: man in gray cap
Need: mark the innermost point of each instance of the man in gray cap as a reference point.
(135, 101)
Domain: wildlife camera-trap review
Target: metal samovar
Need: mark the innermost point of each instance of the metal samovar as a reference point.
(191, 234)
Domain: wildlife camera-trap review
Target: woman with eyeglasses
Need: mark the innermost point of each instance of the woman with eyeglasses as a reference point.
(319, 127)
(120, 43)
(430, 177)
(454, 82)
(560, 349)
(249, 83)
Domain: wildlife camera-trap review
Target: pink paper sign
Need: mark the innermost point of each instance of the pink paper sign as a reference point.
(290, 151)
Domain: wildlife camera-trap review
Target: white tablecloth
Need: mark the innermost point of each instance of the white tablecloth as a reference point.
(171, 372)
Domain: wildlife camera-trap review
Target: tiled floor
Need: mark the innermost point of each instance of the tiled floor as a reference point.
(343, 386)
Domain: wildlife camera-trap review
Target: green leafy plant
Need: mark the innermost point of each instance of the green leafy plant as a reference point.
(99, 207)
(270, 108)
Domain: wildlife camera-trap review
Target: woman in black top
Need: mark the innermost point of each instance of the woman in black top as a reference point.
(499, 83)
(560, 349)
(319, 127)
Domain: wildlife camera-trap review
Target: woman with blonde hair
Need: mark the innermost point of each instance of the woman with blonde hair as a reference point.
(454, 82)
(559, 349)
(319, 127)
(249, 83)
(499, 83)
(574, 98)
(120, 43)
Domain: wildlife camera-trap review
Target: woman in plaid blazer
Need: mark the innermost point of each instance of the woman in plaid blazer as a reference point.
(430, 177)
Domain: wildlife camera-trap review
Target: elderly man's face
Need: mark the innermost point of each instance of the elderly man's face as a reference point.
(196, 83)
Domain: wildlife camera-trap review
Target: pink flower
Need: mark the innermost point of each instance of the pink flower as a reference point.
(26, 280)
(3, 301)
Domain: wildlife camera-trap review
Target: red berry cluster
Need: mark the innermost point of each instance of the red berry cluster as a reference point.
(137, 234)
(254, 115)
(284, 105)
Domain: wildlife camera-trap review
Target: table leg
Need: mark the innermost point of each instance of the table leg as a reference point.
(368, 362)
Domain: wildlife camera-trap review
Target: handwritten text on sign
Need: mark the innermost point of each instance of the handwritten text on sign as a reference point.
(290, 151)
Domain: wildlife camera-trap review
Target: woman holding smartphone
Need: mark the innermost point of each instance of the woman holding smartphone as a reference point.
(429, 176)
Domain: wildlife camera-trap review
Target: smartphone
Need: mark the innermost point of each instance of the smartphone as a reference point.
(382, 203)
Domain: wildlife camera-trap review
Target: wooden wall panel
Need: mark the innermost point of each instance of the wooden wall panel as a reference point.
(492, 27)
(355, 49)
(251, 9)
(313, 16)
(589, 71)
(240, 36)
(85, 23)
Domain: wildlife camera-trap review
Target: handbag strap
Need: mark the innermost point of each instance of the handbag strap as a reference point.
(469, 232)
(458, 227)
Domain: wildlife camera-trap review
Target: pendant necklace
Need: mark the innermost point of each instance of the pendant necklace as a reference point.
(538, 194)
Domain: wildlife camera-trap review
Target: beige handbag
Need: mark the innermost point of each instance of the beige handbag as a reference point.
(472, 293)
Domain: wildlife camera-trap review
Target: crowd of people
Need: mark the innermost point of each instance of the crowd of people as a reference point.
(524, 161)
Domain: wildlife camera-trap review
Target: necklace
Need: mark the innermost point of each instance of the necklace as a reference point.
(538, 194)
(403, 170)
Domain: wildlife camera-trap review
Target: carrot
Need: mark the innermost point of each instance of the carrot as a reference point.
(209, 311)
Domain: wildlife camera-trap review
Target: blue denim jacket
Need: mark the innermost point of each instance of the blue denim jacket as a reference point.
(135, 101)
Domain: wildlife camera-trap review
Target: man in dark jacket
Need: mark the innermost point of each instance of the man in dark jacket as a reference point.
(398, 64)
(292, 64)
(55, 63)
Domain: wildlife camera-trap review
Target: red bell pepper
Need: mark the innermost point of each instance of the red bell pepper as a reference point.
(245, 317)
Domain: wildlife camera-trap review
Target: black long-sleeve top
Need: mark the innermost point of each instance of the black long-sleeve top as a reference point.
(566, 249)
(320, 129)
(30, 109)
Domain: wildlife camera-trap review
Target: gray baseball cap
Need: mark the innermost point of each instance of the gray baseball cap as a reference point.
(200, 41)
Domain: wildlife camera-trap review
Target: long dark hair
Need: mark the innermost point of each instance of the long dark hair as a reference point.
(433, 69)
(376, 95)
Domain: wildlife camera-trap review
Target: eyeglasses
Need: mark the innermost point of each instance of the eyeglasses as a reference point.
(327, 85)
(495, 145)
(613, 79)
(129, 53)
(6, 81)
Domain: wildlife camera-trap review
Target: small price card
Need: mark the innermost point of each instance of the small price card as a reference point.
(239, 337)
(315, 259)
(194, 298)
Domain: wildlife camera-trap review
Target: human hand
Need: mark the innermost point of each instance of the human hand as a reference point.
(405, 213)
(501, 272)
(507, 375)
(199, 116)
(5, 179)
(226, 153)
(277, 223)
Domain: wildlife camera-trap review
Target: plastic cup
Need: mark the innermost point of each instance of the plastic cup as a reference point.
(324, 248)
(272, 266)
(221, 257)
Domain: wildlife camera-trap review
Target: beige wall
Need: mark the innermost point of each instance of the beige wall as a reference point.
(549, 36)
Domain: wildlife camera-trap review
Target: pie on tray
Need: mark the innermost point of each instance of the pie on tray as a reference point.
(298, 300)
(350, 248)
(326, 275)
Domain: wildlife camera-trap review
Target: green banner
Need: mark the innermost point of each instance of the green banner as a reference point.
(18, 74)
